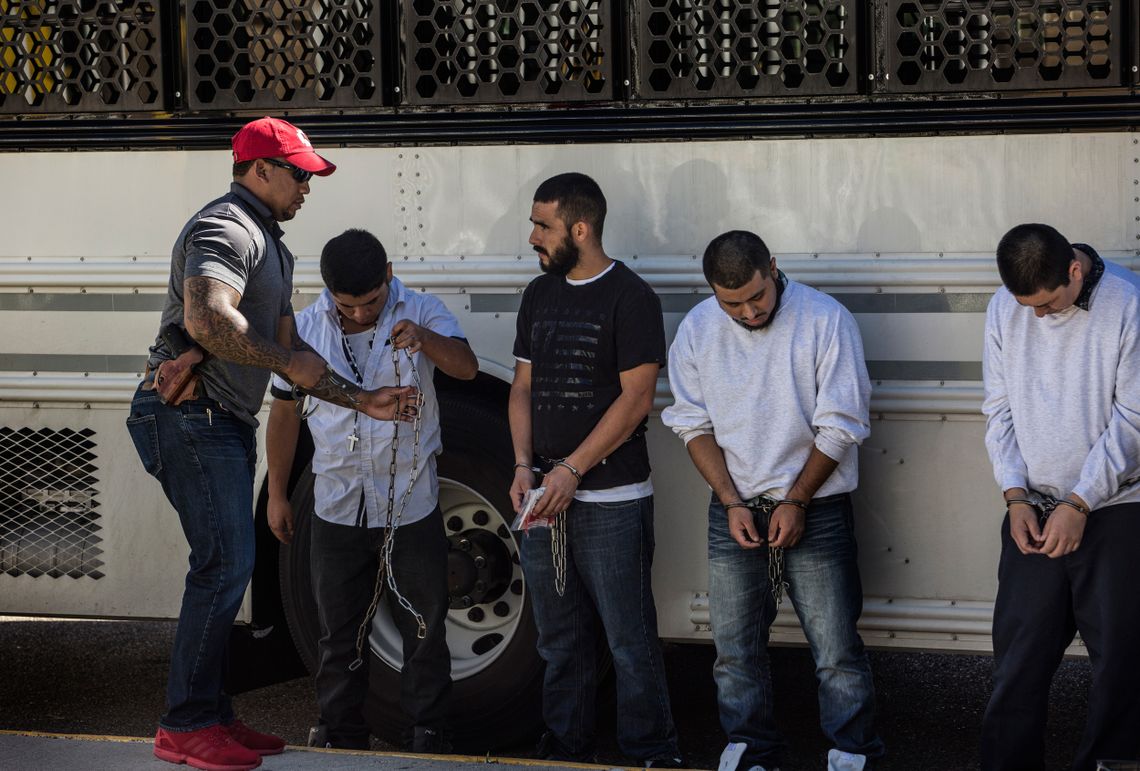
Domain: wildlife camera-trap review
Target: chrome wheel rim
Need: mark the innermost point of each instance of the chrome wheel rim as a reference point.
(486, 586)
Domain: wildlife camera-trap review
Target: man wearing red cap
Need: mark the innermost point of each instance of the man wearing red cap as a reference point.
(226, 325)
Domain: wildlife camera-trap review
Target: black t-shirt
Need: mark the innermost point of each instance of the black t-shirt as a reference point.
(579, 339)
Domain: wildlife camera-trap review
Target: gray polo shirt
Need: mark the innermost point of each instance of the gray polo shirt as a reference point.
(235, 240)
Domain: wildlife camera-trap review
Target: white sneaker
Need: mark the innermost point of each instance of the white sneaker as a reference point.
(838, 760)
(731, 755)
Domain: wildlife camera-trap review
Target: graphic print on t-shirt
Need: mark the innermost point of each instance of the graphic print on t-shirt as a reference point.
(578, 340)
(564, 377)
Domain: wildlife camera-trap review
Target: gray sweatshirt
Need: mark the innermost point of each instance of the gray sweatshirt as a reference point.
(768, 395)
(1062, 399)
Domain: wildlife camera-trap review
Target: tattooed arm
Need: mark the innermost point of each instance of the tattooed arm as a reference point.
(382, 404)
(329, 386)
(214, 321)
(212, 318)
(317, 376)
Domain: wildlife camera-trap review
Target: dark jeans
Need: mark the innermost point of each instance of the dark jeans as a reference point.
(609, 553)
(344, 561)
(1041, 604)
(204, 458)
(823, 583)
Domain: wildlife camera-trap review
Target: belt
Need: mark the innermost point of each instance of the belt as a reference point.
(830, 499)
(148, 375)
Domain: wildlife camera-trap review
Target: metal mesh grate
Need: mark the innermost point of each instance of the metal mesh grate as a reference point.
(95, 56)
(724, 48)
(959, 45)
(48, 501)
(506, 50)
(283, 53)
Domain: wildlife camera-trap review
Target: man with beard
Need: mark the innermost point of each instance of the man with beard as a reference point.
(772, 399)
(589, 344)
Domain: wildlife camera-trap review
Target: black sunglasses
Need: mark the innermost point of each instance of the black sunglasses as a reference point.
(298, 174)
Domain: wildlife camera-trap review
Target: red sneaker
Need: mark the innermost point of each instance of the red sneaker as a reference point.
(210, 749)
(262, 744)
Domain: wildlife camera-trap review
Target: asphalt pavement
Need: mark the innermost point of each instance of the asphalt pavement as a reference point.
(107, 678)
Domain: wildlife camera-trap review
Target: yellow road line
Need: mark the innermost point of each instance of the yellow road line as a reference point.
(485, 759)
(78, 737)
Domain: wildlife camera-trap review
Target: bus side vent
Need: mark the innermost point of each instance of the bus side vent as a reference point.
(1002, 45)
(49, 524)
(277, 54)
(716, 48)
(60, 57)
(507, 51)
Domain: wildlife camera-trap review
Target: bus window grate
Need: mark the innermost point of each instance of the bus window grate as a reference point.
(972, 45)
(49, 523)
(503, 51)
(96, 57)
(282, 54)
(724, 48)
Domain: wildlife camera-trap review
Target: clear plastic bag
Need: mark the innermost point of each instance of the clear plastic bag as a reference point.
(526, 519)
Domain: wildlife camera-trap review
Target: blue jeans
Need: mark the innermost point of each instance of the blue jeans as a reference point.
(204, 458)
(823, 583)
(609, 553)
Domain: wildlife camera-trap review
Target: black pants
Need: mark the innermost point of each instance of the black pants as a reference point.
(1041, 604)
(344, 561)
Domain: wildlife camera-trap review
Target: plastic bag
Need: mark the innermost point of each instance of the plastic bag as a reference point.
(526, 519)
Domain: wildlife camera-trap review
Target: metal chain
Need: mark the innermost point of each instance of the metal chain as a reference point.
(776, 574)
(1045, 504)
(558, 552)
(303, 404)
(558, 539)
(377, 591)
(394, 515)
(764, 506)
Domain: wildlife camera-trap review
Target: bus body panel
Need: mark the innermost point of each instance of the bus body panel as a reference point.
(901, 230)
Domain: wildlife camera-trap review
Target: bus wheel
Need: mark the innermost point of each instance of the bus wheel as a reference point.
(495, 668)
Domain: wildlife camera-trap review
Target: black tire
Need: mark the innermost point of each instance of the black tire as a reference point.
(496, 702)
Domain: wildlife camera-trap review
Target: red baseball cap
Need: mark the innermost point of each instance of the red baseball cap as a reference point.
(276, 138)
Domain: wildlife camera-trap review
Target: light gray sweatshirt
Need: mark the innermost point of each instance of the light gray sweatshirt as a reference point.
(768, 395)
(1063, 394)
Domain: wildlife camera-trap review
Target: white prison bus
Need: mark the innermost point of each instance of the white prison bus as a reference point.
(881, 154)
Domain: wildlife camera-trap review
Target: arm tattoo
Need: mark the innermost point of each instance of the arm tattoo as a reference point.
(336, 389)
(331, 387)
(211, 310)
